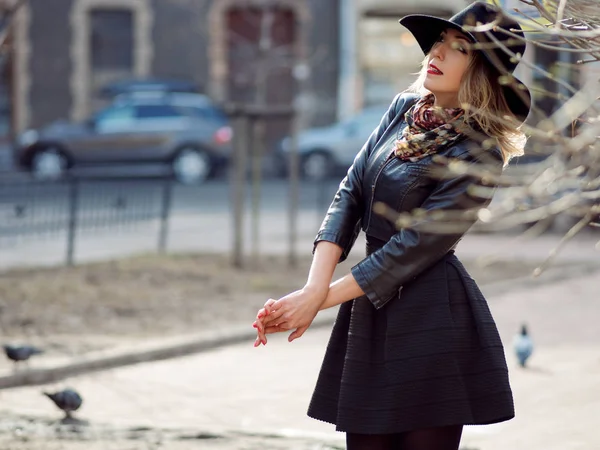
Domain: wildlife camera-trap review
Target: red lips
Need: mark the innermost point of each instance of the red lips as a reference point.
(434, 70)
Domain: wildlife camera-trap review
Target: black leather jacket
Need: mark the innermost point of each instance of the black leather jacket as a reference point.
(404, 186)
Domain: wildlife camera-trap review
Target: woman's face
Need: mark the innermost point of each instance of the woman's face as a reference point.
(448, 61)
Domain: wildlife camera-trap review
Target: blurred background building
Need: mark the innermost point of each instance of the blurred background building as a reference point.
(66, 51)
(60, 54)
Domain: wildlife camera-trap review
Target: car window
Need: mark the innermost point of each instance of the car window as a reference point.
(193, 111)
(205, 113)
(157, 111)
(217, 114)
(115, 119)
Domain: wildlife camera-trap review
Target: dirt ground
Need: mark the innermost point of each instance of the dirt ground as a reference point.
(103, 304)
(71, 311)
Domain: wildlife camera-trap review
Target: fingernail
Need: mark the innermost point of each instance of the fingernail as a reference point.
(254, 325)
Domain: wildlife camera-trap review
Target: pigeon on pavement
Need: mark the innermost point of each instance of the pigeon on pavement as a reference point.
(68, 400)
(20, 353)
(523, 346)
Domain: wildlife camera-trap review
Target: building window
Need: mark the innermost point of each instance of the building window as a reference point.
(111, 39)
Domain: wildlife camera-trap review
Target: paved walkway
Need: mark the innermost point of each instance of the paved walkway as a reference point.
(266, 389)
(212, 233)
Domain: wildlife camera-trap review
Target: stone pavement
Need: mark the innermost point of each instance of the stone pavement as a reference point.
(267, 389)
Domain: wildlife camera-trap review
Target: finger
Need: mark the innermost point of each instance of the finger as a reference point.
(259, 325)
(282, 326)
(269, 305)
(274, 329)
(262, 338)
(266, 309)
(261, 334)
(262, 313)
(274, 317)
(298, 333)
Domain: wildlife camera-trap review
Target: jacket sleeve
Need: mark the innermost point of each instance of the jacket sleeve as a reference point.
(410, 251)
(341, 224)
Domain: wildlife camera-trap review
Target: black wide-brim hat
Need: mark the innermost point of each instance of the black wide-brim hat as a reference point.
(427, 29)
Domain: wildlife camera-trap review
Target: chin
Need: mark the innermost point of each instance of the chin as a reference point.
(430, 85)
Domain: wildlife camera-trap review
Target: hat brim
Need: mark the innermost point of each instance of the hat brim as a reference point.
(427, 29)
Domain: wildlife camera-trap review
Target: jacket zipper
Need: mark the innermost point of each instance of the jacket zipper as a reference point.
(383, 166)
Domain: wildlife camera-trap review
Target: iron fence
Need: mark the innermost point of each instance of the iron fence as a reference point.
(73, 209)
(31, 210)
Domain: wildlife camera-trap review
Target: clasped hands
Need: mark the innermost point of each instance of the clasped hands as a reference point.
(295, 311)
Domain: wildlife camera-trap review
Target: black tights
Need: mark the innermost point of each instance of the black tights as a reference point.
(440, 438)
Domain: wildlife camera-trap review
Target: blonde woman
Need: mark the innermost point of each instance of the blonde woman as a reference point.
(415, 354)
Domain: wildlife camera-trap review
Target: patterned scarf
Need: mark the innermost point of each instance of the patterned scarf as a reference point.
(429, 129)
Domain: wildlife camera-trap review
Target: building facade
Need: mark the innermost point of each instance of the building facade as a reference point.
(64, 51)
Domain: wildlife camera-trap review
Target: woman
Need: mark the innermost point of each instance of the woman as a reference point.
(414, 353)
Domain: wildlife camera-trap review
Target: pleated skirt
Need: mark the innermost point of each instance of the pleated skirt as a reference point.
(431, 357)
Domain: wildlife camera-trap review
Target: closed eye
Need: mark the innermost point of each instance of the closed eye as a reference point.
(455, 46)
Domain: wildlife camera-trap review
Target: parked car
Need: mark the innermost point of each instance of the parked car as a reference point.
(186, 131)
(133, 85)
(329, 150)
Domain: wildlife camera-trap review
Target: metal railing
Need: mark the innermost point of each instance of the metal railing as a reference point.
(31, 210)
(76, 208)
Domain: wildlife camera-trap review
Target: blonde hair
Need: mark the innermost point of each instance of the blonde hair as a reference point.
(480, 95)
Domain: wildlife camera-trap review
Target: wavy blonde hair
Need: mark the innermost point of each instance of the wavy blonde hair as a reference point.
(480, 95)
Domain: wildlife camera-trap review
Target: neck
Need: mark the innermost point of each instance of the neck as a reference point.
(449, 100)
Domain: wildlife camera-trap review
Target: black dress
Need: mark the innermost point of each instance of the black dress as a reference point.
(432, 356)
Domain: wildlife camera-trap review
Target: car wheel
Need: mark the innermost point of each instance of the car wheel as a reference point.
(48, 164)
(192, 166)
(316, 166)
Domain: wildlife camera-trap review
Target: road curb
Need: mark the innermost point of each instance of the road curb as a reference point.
(165, 349)
(181, 346)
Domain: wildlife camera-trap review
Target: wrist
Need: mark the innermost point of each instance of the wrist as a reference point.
(317, 290)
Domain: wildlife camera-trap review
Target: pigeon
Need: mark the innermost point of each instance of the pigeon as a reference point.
(20, 353)
(68, 400)
(523, 346)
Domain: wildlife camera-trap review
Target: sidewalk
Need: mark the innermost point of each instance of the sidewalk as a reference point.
(266, 390)
(212, 233)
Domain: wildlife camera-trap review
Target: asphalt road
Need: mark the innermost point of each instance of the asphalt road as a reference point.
(140, 190)
(214, 195)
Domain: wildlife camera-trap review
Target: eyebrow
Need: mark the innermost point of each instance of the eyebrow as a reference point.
(457, 36)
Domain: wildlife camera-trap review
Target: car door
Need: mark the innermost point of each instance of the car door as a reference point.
(159, 127)
(117, 135)
(109, 131)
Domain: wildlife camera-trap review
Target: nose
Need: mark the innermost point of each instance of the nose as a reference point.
(438, 51)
